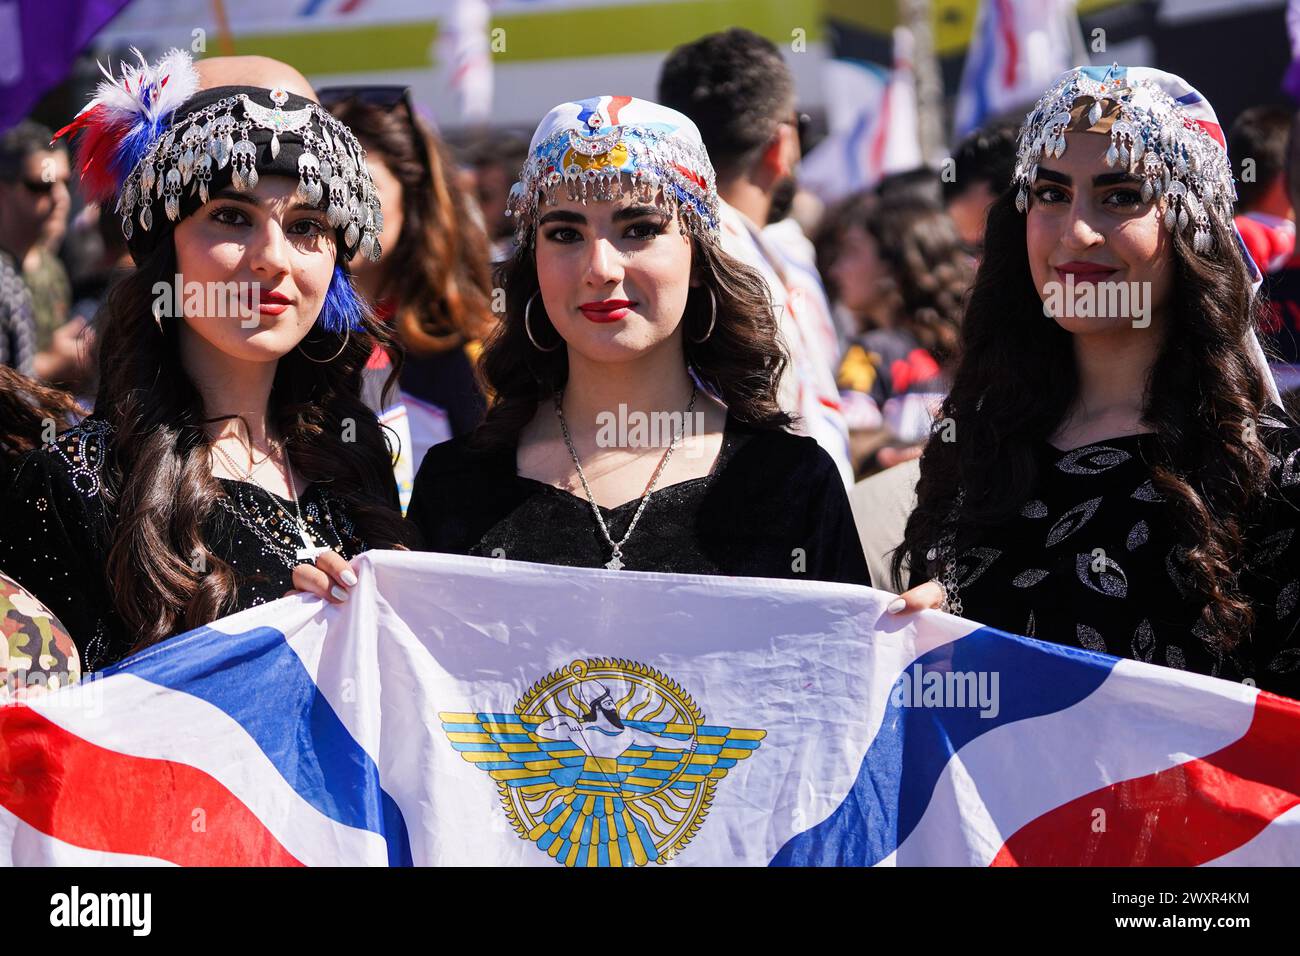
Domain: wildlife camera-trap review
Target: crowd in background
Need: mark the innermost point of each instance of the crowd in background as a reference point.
(869, 292)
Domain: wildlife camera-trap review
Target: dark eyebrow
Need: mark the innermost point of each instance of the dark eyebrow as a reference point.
(1052, 176)
(636, 212)
(1104, 179)
(1110, 179)
(563, 215)
(621, 215)
(250, 199)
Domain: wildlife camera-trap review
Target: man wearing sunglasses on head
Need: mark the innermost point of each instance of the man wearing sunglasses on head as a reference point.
(33, 190)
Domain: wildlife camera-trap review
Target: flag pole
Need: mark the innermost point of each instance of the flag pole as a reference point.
(225, 42)
(917, 16)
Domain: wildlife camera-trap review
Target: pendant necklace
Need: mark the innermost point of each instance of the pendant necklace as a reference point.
(309, 550)
(615, 563)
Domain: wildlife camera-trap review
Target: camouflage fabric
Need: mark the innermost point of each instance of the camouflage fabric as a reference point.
(36, 649)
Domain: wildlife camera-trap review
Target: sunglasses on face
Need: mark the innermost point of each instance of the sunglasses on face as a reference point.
(39, 187)
(802, 123)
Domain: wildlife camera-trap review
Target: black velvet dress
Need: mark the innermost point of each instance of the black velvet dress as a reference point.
(1092, 561)
(773, 506)
(57, 526)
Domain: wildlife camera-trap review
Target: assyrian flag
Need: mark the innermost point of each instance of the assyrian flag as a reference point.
(479, 711)
(1017, 48)
(874, 131)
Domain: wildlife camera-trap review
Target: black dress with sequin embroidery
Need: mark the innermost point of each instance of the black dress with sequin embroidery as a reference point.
(1092, 561)
(57, 529)
(773, 506)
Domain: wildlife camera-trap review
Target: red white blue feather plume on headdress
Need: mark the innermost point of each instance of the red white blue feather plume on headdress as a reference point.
(126, 116)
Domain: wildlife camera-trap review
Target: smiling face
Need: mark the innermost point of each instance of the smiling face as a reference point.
(614, 276)
(1088, 220)
(265, 237)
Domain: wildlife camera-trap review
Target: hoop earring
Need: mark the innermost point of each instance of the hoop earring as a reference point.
(713, 317)
(347, 333)
(528, 331)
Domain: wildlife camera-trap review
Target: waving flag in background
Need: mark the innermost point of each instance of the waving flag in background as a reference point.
(1018, 48)
(465, 49)
(475, 711)
(39, 40)
(873, 125)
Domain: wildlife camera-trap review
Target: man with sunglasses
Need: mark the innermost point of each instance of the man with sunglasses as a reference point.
(740, 93)
(33, 190)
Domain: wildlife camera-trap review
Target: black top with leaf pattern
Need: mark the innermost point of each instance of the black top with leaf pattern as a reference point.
(1092, 561)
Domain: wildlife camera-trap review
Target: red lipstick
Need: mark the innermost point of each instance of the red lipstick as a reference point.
(273, 303)
(607, 310)
(1085, 271)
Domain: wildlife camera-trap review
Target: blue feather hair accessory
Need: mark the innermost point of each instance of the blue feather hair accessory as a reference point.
(127, 115)
(161, 146)
(343, 309)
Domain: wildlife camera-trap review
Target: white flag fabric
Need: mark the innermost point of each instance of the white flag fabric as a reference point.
(874, 128)
(485, 712)
(1017, 49)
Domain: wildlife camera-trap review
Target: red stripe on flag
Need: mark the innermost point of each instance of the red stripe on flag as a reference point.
(97, 798)
(616, 103)
(876, 159)
(1007, 20)
(1184, 816)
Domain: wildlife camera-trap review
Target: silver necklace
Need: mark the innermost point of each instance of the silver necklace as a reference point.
(615, 563)
(309, 550)
(253, 466)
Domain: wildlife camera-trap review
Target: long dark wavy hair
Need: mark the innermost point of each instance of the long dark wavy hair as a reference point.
(438, 274)
(27, 409)
(1016, 381)
(741, 361)
(928, 272)
(159, 477)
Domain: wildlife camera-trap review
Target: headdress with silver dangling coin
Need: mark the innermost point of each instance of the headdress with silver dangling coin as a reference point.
(204, 141)
(1179, 163)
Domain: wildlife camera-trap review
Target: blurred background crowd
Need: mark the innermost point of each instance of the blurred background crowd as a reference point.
(860, 142)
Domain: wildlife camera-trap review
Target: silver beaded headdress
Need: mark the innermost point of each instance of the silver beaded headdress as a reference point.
(162, 149)
(605, 146)
(1161, 130)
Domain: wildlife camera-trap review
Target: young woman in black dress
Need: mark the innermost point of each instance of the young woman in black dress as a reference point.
(622, 310)
(229, 458)
(1124, 481)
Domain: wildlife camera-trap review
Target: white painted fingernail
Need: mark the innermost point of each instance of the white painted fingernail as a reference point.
(896, 605)
(338, 593)
(348, 577)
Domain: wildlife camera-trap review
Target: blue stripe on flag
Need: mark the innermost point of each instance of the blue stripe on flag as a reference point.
(895, 783)
(262, 685)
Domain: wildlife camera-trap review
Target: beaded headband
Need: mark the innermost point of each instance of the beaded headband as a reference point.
(1161, 130)
(162, 151)
(606, 146)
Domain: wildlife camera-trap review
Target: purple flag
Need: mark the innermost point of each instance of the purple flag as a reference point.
(39, 40)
